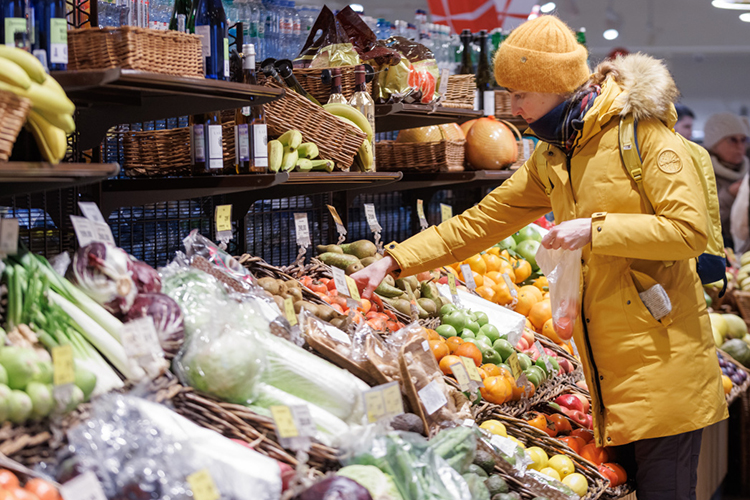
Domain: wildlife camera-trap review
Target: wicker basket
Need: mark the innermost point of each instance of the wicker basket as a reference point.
(13, 111)
(157, 152)
(743, 304)
(153, 51)
(460, 93)
(441, 156)
(312, 81)
(737, 390)
(336, 140)
(502, 104)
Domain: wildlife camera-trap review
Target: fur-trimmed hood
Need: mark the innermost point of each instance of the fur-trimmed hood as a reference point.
(648, 88)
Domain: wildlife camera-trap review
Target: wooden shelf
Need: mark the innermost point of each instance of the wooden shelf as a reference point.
(19, 178)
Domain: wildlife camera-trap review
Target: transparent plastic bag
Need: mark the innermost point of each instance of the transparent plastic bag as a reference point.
(563, 271)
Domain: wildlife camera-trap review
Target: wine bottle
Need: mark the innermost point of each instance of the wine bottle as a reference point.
(484, 77)
(205, 140)
(50, 37)
(250, 133)
(336, 95)
(210, 23)
(180, 15)
(362, 101)
(467, 68)
(13, 15)
(284, 66)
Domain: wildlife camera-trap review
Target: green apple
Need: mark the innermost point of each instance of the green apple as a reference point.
(537, 369)
(457, 319)
(505, 367)
(483, 341)
(491, 331)
(527, 233)
(527, 249)
(534, 377)
(447, 309)
(482, 318)
(524, 361)
(503, 348)
(467, 334)
(508, 243)
(446, 331)
(489, 355)
(473, 326)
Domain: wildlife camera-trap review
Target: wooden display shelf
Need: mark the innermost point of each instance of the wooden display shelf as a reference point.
(19, 178)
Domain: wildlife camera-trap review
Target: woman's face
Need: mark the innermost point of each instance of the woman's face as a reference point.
(533, 105)
(731, 149)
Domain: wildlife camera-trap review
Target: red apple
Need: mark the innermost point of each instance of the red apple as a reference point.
(522, 345)
(575, 415)
(589, 422)
(443, 280)
(532, 353)
(584, 402)
(529, 336)
(569, 401)
(583, 385)
(565, 366)
(550, 352)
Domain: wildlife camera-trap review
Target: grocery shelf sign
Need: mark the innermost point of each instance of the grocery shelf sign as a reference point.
(478, 15)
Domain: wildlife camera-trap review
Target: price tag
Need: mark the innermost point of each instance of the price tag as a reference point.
(374, 405)
(302, 229)
(203, 485)
(8, 236)
(339, 279)
(141, 344)
(452, 283)
(337, 219)
(351, 285)
(468, 276)
(515, 366)
(337, 334)
(394, 403)
(286, 427)
(84, 487)
(88, 231)
(291, 316)
(62, 365)
(514, 336)
(471, 369)
(468, 423)
(462, 377)
(420, 213)
(540, 349)
(383, 401)
(443, 87)
(223, 219)
(511, 286)
(91, 211)
(446, 212)
(372, 218)
(432, 398)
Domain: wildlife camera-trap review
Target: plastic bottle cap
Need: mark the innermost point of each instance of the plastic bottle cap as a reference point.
(248, 49)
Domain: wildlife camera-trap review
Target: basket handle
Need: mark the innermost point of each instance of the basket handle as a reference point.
(512, 127)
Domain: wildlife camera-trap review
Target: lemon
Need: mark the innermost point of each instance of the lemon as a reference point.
(562, 464)
(577, 482)
(495, 427)
(549, 471)
(726, 382)
(519, 443)
(538, 457)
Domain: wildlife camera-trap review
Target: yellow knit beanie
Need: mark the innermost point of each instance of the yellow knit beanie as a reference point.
(542, 55)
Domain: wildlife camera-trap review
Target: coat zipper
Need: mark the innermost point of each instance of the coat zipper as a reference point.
(570, 178)
(590, 354)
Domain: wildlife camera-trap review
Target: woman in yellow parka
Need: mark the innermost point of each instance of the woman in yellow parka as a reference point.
(654, 384)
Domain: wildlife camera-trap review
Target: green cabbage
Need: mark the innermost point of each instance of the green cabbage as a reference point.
(378, 483)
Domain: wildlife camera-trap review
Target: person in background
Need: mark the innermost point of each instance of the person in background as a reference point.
(685, 119)
(725, 137)
(639, 370)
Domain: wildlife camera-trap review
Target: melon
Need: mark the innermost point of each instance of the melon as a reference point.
(737, 328)
(738, 349)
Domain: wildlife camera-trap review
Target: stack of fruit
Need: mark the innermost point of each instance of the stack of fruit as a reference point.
(731, 336)
(364, 160)
(731, 374)
(33, 489)
(50, 118)
(289, 152)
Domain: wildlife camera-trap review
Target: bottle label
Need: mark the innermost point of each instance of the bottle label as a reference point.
(252, 29)
(13, 25)
(181, 22)
(245, 111)
(260, 145)
(199, 144)
(215, 151)
(226, 57)
(205, 33)
(58, 35)
(287, 27)
(241, 143)
(248, 62)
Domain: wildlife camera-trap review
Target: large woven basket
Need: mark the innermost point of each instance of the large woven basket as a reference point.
(440, 156)
(13, 111)
(460, 93)
(312, 81)
(336, 140)
(502, 104)
(154, 51)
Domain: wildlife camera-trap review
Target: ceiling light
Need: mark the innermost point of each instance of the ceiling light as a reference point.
(611, 34)
(548, 7)
(730, 4)
(357, 7)
(745, 17)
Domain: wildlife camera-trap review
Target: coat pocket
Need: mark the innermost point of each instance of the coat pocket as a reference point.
(639, 317)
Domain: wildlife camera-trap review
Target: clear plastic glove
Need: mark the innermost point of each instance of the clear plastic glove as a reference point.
(369, 278)
(569, 235)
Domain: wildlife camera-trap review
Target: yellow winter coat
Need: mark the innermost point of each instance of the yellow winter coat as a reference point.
(647, 378)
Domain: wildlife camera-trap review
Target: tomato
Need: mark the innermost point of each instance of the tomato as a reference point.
(562, 424)
(608, 474)
(8, 480)
(538, 420)
(42, 489)
(622, 476)
(584, 434)
(317, 286)
(574, 443)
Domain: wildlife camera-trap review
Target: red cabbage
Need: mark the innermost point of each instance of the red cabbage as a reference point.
(145, 277)
(335, 488)
(102, 272)
(167, 318)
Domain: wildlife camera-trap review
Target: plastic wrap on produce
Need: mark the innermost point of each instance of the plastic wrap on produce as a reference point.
(563, 271)
(414, 78)
(139, 449)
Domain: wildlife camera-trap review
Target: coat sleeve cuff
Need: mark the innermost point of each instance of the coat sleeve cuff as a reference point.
(598, 230)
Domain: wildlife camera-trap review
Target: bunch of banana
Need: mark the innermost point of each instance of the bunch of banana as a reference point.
(51, 113)
(288, 152)
(743, 276)
(364, 159)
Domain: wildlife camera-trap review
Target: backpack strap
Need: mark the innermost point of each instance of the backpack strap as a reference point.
(631, 156)
(541, 168)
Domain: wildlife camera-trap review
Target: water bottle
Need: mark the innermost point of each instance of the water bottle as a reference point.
(297, 38)
(210, 23)
(383, 32)
(412, 33)
(257, 9)
(159, 14)
(307, 17)
(50, 39)
(270, 29)
(286, 24)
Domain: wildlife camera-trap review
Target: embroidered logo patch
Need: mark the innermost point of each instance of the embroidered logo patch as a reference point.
(669, 162)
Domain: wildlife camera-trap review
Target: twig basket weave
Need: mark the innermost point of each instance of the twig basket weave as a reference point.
(460, 93)
(440, 156)
(310, 79)
(13, 111)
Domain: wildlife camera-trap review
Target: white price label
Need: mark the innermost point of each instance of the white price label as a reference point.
(88, 231)
(511, 287)
(383, 401)
(83, 487)
(539, 348)
(446, 212)
(489, 102)
(443, 87)
(305, 424)
(468, 276)
(461, 375)
(338, 335)
(432, 397)
(339, 279)
(141, 344)
(420, 213)
(215, 149)
(372, 219)
(302, 229)
(8, 236)
(91, 211)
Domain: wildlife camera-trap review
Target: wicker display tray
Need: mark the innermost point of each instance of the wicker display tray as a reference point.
(737, 390)
(335, 139)
(441, 156)
(460, 93)
(312, 81)
(13, 111)
(153, 51)
(502, 104)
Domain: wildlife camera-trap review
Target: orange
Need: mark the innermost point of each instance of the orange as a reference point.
(502, 293)
(478, 279)
(469, 350)
(548, 330)
(489, 282)
(532, 290)
(525, 302)
(494, 251)
(522, 269)
(540, 313)
(453, 343)
(439, 349)
(505, 254)
(482, 373)
(8, 480)
(575, 443)
(495, 276)
(486, 293)
(506, 267)
(568, 347)
(496, 390)
(492, 262)
(529, 325)
(446, 362)
(432, 334)
(542, 284)
(21, 494)
(476, 262)
(42, 489)
(492, 370)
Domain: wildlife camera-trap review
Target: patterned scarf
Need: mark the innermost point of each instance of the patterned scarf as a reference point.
(561, 126)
